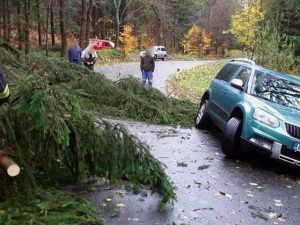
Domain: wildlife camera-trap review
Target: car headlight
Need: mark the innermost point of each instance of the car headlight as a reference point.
(265, 117)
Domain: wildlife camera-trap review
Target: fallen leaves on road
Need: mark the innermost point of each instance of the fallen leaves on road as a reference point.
(108, 199)
(253, 184)
(120, 205)
(181, 164)
(203, 167)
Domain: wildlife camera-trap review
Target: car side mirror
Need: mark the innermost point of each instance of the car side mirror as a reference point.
(237, 83)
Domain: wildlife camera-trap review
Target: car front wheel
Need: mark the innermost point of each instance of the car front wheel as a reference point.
(231, 144)
(155, 57)
(202, 118)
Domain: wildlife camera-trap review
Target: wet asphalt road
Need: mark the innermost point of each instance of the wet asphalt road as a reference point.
(163, 69)
(210, 189)
(245, 191)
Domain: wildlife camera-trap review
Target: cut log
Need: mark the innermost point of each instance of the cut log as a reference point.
(10, 166)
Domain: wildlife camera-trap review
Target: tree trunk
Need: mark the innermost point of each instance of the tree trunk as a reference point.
(39, 22)
(8, 20)
(10, 166)
(27, 26)
(47, 27)
(83, 24)
(88, 24)
(63, 30)
(19, 25)
(4, 20)
(52, 24)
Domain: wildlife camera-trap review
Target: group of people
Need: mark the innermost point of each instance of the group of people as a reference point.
(88, 56)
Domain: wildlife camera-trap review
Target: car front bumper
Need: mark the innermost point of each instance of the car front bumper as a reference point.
(280, 143)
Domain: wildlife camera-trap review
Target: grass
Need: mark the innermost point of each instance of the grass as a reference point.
(192, 83)
(109, 57)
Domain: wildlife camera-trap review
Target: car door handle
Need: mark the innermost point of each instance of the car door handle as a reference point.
(224, 91)
(215, 86)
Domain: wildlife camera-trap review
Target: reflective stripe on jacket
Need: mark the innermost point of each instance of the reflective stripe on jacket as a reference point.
(5, 93)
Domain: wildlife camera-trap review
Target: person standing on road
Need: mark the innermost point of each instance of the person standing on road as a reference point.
(74, 53)
(147, 67)
(89, 57)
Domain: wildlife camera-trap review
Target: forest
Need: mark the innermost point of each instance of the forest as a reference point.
(52, 24)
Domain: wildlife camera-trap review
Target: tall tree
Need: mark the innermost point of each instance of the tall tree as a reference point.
(19, 25)
(83, 23)
(8, 20)
(52, 23)
(88, 24)
(4, 20)
(27, 25)
(63, 29)
(39, 22)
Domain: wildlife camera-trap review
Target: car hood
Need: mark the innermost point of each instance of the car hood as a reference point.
(282, 112)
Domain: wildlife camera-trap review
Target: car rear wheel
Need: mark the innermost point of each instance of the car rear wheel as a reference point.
(231, 144)
(202, 119)
(165, 58)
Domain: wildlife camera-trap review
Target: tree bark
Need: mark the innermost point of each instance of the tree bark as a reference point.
(4, 20)
(83, 24)
(27, 26)
(62, 12)
(52, 24)
(88, 24)
(117, 5)
(8, 20)
(19, 25)
(39, 22)
(47, 27)
(10, 166)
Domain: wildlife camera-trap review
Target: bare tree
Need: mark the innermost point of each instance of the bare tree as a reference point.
(63, 28)
(83, 23)
(52, 23)
(39, 22)
(88, 24)
(19, 19)
(27, 25)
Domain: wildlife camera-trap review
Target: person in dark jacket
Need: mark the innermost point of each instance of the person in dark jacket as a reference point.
(4, 90)
(147, 67)
(89, 57)
(74, 54)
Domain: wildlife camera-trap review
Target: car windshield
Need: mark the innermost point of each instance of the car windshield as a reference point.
(276, 89)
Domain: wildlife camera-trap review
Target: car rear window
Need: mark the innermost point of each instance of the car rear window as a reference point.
(227, 72)
(163, 49)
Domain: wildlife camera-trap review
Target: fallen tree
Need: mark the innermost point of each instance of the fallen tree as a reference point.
(55, 133)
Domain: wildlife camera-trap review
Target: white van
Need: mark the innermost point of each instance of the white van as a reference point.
(159, 52)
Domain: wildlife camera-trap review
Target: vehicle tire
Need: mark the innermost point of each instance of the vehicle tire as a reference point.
(202, 119)
(155, 57)
(165, 58)
(231, 144)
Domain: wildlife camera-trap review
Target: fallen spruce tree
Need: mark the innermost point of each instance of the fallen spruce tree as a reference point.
(52, 126)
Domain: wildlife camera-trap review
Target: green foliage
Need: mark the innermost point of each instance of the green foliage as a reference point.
(110, 56)
(192, 83)
(276, 52)
(54, 132)
(48, 207)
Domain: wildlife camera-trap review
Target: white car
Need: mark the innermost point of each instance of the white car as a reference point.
(158, 52)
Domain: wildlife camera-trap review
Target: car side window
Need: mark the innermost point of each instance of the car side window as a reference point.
(107, 44)
(227, 72)
(244, 74)
(163, 49)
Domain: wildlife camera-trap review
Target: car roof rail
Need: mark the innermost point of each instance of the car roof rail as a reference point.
(244, 60)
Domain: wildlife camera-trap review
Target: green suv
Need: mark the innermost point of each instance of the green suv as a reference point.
(254, 106)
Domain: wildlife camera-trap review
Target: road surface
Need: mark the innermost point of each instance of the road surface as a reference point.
(163, 69)
(211, 189)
